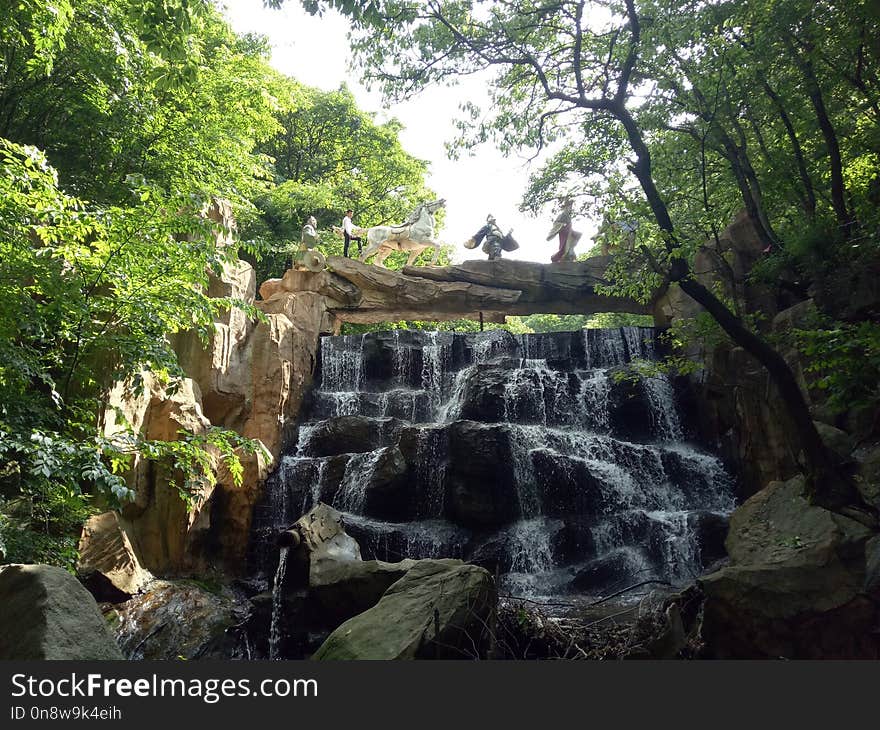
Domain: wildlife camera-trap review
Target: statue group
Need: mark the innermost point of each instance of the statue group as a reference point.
(416, 234)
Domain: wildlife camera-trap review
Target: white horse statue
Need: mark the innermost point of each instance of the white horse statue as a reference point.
(415, 235)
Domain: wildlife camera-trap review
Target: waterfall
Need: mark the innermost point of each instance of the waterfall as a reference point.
(526, 454)
(275, 628)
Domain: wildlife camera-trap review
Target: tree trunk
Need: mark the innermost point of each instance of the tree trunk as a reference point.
(809, 199)
(830, 488)
(838, 189)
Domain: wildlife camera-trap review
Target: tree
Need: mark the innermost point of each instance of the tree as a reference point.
(164, 92)
(119, 121)
(131, 102)
(328, 155)
(583, 70)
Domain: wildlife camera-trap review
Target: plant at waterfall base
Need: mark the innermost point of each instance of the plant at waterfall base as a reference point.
(672, 116)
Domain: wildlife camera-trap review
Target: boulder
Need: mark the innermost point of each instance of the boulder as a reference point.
(343, 589)
(439, 609)
(795, 584)
(840, 442)
(179, 620)
(47, 614)
(107, 560)
(318, 536)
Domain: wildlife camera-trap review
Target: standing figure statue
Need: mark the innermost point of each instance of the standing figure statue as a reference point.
(494, 241)
(568, 238)
(304, 256)
(414, 235)
(350, 233)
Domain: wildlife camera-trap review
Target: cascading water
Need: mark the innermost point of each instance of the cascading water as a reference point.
(275, 627)
(523, 454)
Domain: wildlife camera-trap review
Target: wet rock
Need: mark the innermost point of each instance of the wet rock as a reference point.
(628, 411)
(500, 551)
(566, 485)
(180, 620)
(710, 529)
(439, 609)
(391, 541)
(603, 572)
(575, 541)
(331, 476)
(350, 434)
(483, 394)
(492, 553)
(386, 487)
(482, 490)
(47, 614)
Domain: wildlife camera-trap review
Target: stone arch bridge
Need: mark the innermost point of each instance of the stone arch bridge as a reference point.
(361, 293)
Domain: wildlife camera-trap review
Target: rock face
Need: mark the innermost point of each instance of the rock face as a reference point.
(439, 609)
(799, 584)
(108, 561)
(47, 614)
(250, 378)
(739, 407)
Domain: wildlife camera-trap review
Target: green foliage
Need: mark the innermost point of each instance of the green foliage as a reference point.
(329, 156)
(845, 361)
(157, 91)
(88, 296)
(119, 121)
(191, 459)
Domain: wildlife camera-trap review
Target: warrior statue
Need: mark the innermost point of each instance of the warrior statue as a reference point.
(305, 257)
(494, 241)
(568, 238)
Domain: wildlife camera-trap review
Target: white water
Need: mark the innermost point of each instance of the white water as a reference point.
(557, 398)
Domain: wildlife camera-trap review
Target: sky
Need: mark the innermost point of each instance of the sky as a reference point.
(315, 51)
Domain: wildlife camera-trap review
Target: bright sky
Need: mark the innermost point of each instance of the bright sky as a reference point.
(315, 51)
